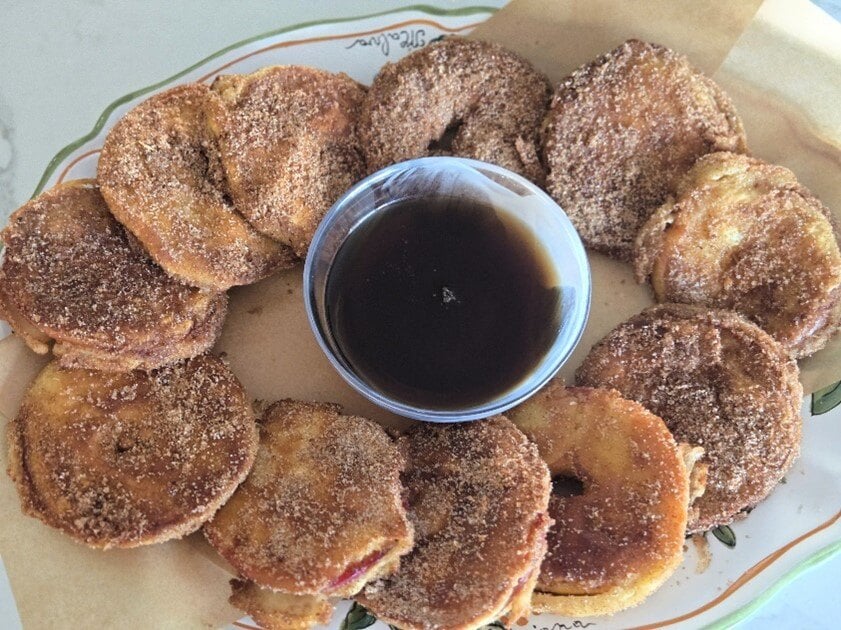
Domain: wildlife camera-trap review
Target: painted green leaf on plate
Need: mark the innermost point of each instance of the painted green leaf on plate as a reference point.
(357, 618)
(725, 535)
(826, 399)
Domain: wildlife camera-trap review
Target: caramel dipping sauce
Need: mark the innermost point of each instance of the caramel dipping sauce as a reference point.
(442, 303)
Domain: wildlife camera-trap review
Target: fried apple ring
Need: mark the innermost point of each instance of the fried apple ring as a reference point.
(321, 512)
(457, 97)
(478, 494)
(279, 611)
(288, 143)
(133, 458)
(620, 132)
(622, 536)
(744, 235)
(719, 382)
(72, 275)
(159, 172)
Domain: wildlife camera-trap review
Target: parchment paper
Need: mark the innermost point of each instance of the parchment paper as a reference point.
(783, 69)
(781, 64)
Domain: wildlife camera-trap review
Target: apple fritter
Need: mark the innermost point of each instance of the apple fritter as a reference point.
(620, 535)
(459, 97)
(321, 512)
(620, 132)
(132, 458)
(72, 275)
(744, 235)
(719, 382)
(161, 175)
(288, 144)
(478, 495)
(274, 610)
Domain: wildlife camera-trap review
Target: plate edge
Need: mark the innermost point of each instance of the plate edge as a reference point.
(755, 605)
(106, 113)
(729, 620)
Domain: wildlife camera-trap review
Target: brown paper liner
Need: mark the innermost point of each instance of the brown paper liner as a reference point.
(781, 67)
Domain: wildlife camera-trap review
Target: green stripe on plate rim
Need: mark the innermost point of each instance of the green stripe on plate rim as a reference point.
(100, 123)
(725, 622)
(746, 611)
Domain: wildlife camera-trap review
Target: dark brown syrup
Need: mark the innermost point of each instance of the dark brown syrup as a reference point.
(442, 303)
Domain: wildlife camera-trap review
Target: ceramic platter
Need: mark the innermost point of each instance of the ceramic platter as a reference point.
(798, 527)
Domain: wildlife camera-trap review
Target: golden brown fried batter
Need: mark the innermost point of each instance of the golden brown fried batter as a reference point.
(160, 174)
(321, 512)
(128, 459)
(288, 144)
(279, 611)
(744, 235)
(620, 132)
(617, 541)
(73, 275)
(457, 97)
(152, 355)
(719, 382)
(478, 494)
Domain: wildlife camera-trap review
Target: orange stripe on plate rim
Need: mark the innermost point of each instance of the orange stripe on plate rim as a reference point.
(746, 577)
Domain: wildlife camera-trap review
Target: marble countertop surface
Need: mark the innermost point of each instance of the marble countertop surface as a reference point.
(62, 62)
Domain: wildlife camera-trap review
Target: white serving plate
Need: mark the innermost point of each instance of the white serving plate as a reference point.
(798, 527)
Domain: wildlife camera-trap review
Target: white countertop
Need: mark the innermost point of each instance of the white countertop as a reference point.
(62, 62)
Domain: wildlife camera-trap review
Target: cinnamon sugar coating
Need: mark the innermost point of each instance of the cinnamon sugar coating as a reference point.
(279, 611)
(321, 512)
(719, 382)
(478, 494)
(161, 176)
(132, 458)
(288, 145)
(457, 97)
(620, 132)
(743, 234)
(73, 275)
(615, 543)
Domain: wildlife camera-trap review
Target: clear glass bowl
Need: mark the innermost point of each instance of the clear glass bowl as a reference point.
(473, 180)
